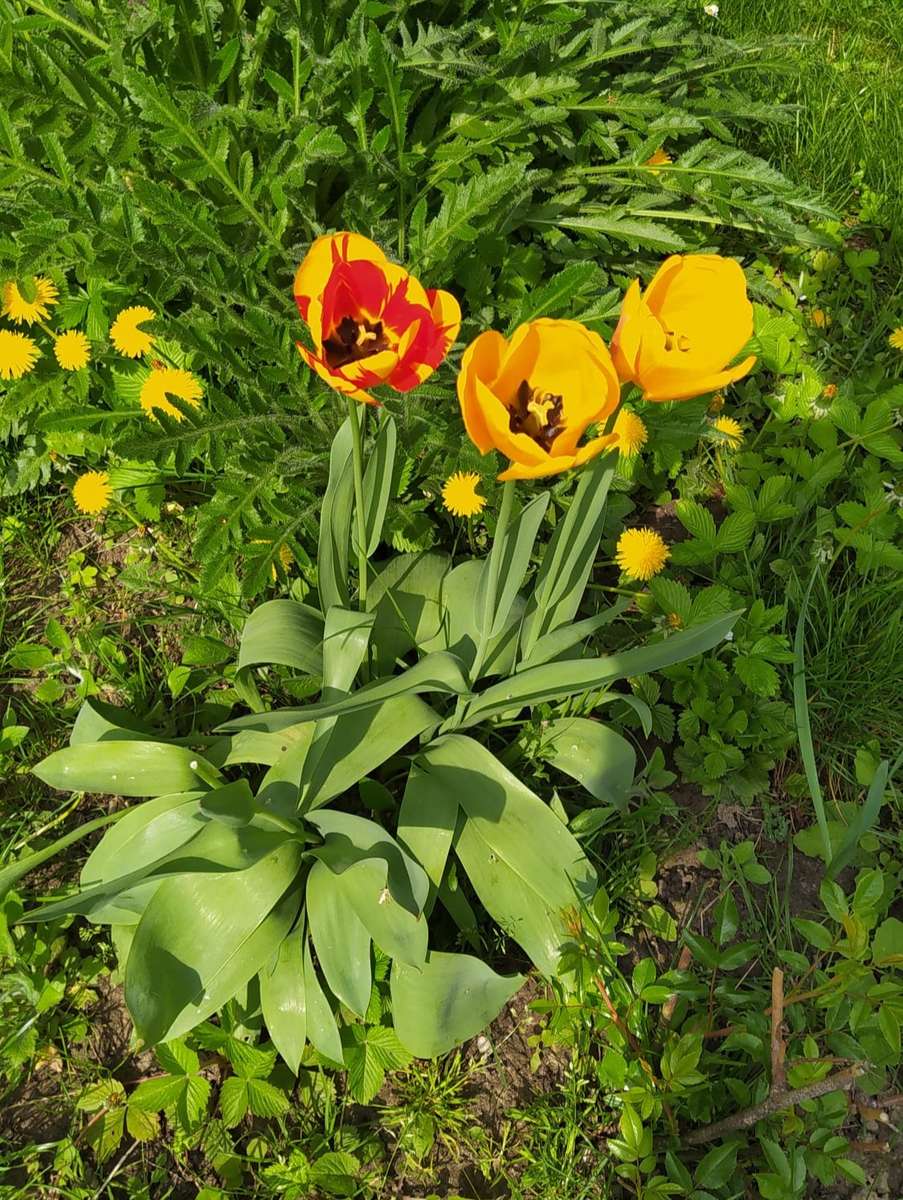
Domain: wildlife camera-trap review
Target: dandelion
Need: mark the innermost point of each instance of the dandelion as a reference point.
(460, 496)
(72, 350)
(18, 354)
(632, 433)
(169, 381)
(674, 620)
(820, 318)
(641, 553)
(732, 431)
(125, 334)
(660, 158)
(92, 492)
(896, 338)
(19, 309)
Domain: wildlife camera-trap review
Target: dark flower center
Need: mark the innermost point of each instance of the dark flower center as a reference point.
(353, 340)
(537, 414)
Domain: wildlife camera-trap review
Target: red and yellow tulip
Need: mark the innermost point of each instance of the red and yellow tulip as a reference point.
(676, 339)
(370, 320)
(533, 397)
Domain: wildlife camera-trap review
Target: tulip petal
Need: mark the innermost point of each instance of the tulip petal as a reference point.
(316, 266)
(667, 385)
(625, 342)
(481, 359)
(335, 381)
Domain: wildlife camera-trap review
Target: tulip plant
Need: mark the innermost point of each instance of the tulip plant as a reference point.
(251, 868)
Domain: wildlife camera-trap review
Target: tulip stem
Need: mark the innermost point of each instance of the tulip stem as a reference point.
(493, 568)
(358, 462)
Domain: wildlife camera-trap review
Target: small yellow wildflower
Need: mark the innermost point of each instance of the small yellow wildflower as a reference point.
(829, 391)
(820, 318)
(732, 430)
(18, 354)
(72, 350)
(674, 620)
(459, 494)
(641, 553)
(92, 492)
(716, 403)
(171, 381)
(125, 334)
(660, 158)
(896, 338)
(632, 433)
(18, 309)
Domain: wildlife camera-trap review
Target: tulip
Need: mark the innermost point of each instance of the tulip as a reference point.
(371, 322)
(676, 340)
(533, 397)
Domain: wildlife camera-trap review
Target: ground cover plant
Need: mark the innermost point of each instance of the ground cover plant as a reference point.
(231, 584)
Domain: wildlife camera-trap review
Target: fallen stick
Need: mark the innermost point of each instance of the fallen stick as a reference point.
(840, 1081)
(778, 1049)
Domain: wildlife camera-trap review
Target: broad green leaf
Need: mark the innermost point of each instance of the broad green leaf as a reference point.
(557, 643)
(369, 1052)
(321, 1023)
(256, 746)
(203, 936)
(358, 743)
(458, 632)
(887, 944)
(406, 599)
(350, 838)
(378, 476)
(215, 848)
(451, 998)
(426, 821)
(285, 632)
(126, 769)
(232, 804)
(233, 1100)
(345, 638)
(282, 999)
(507, 565)
(525, 866)
(97, 721)
(397, 931)
(335, 523)
(146, 833)
(340, 939)
(556, 681)
(566, 565)
(439, 672)
(594, 755)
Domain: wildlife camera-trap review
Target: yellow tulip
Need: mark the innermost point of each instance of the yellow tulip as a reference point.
(676, 340)
(533, 397)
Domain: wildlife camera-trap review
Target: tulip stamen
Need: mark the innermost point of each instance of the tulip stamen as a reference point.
(537, 414)
(353, 340)
(676, 341)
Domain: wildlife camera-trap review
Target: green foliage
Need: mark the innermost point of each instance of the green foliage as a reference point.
(209, 148)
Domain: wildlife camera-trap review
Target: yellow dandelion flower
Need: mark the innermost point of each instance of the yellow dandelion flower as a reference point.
(641, 553)
(732, 430)
(125, 334)
(285, 556)
(660, 158)
(829, 391)
(459, 494)
(896, 338)
(632, 433)
(18, 354)
(72, 350)
(674, 620)
(19, 309)
(820, 318)
(92, 492)
(172, 381)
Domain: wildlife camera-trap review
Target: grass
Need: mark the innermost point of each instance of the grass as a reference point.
(846, 75)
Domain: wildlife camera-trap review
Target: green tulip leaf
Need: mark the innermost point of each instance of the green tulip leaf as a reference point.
(126, 768)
